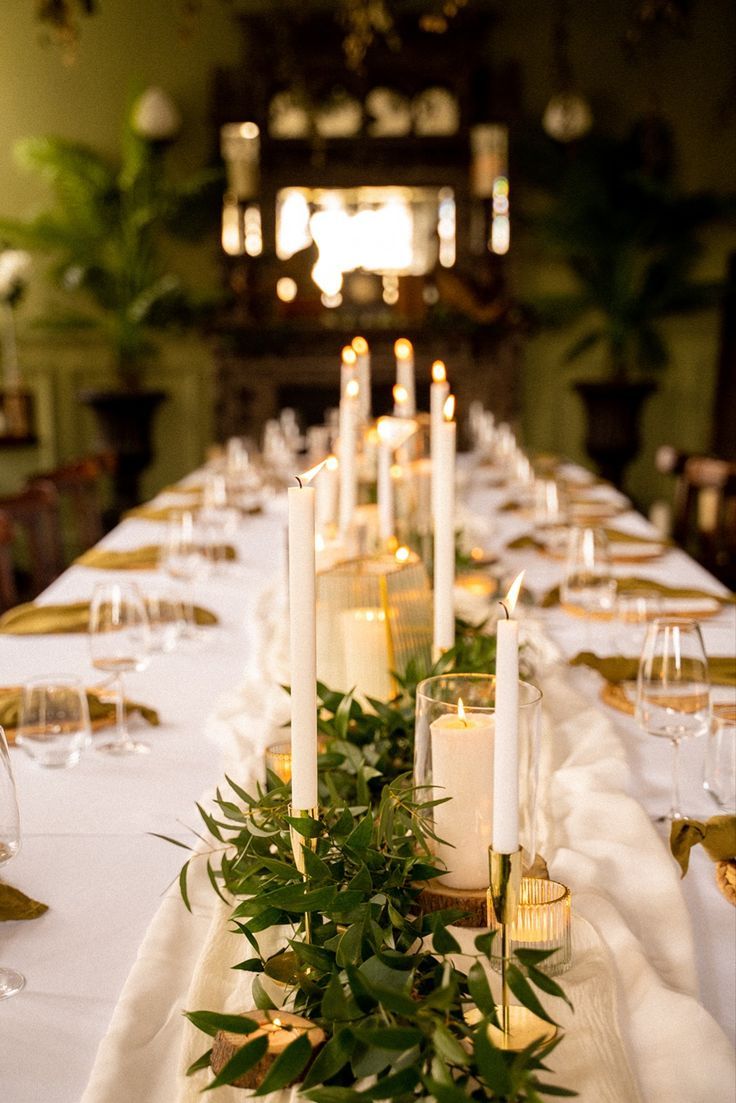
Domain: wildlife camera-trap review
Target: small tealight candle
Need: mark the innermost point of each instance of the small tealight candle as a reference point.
(279, 1027)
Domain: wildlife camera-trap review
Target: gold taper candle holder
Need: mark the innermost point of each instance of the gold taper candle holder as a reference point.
(298, 846)
(520, 1027)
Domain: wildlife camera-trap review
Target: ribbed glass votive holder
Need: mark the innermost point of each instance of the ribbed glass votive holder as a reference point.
(543, 922)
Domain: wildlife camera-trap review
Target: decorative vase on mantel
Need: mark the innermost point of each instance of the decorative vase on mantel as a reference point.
(613, 415)
(125, 419)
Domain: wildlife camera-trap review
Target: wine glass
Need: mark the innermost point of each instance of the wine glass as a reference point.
(119, 640)
(10, 980)
(53, 726)
(720, 758)
(183, 561)
(588, 586)
(673, 690)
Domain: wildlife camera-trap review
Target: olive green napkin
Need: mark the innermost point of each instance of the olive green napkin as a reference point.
(37, 620)
(552, 597)
(14, 904)
(717, 836)
(614, 536)
(145, 558)
(100, 712)
(155, 513)
(619, 668)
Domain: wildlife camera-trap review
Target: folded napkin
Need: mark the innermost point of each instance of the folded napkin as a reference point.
(145, 558)
(155, 513)
(101, 712)
(614, 536)
(717, 836)
(38, 620)
(619, 668)
(14, 904)
(552, 597)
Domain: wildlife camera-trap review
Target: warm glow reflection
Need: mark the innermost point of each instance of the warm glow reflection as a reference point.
(332, 463)
(402, 554)
(348, 355)
(395, 431)
(360, 345)
(509, 602)
(439, 372)
(352, 388)
(403, 349)
(286, 289)
(400, 393)
(448, 410)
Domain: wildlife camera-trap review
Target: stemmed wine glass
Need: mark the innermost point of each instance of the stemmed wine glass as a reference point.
(673, 690)
(10, 980)
(119, 640)
(588, 586)
(184, 563)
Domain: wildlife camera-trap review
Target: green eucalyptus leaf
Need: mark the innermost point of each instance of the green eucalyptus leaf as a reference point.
(350, 945)
(393, 1087)
(252, 965)
(260, 996)
(287, 1066)
(335, 1095)
(480, 989)
(491, 1062)
(209, 1022)
(524, 993)
(202, 1062)
(391, 1038)
(443, 941)
(444, 1093)
(305, 826)
(448, 1046)
(551, 987)
(331, 1058)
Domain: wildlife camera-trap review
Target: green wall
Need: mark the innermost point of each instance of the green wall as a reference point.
(139, 40)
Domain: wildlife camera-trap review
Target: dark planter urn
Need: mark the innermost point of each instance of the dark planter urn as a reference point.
(125, 421)
(613, 412)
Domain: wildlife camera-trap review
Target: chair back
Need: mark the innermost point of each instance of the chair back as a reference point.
(705, 519)
(8, 588)
(79, 486)
(34, 514)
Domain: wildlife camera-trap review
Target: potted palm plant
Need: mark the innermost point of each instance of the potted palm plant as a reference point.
(630, 240)
(105, 231)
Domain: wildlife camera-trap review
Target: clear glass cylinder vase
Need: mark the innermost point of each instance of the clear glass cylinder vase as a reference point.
(453, 764)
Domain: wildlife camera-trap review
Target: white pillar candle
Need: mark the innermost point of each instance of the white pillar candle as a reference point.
(303, 643)
(462, 768)
(360, 347)
(348, 368)
(404, 353)
(327, 489)
(444, 534)
(367, 653)
(385, 492)
(348, 455)
(438, 391)
(506, 751)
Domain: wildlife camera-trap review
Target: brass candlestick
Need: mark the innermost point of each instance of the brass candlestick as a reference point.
(520, 1027)
(298, 846)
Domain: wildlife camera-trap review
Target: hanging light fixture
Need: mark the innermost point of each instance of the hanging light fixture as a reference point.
(567, 116)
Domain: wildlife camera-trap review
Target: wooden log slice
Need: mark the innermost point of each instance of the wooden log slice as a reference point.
(225, 1045)
(436, 897)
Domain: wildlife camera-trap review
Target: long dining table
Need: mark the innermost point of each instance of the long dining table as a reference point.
(108, 967)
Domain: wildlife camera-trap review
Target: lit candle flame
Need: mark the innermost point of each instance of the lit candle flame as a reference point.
(332, 463)
(352, 389)
(439, 372)
(589, 550)
(461, 712)
(403, 349)
(402, 554)
(306, 476)
(509, 602)
(276, 1021)
(360, 345)
(448, 410)
(349, 355)
(400, 393)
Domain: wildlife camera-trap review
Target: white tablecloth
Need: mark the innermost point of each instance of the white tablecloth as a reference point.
(87, 850)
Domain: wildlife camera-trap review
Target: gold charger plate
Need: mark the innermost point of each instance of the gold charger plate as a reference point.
(97, 724)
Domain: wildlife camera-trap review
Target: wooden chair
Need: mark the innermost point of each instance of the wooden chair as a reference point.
(79, 486)
(705, 514)
(8, 588)
(34, 514)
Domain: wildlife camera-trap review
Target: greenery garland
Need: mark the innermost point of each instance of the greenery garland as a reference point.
(377, 974)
